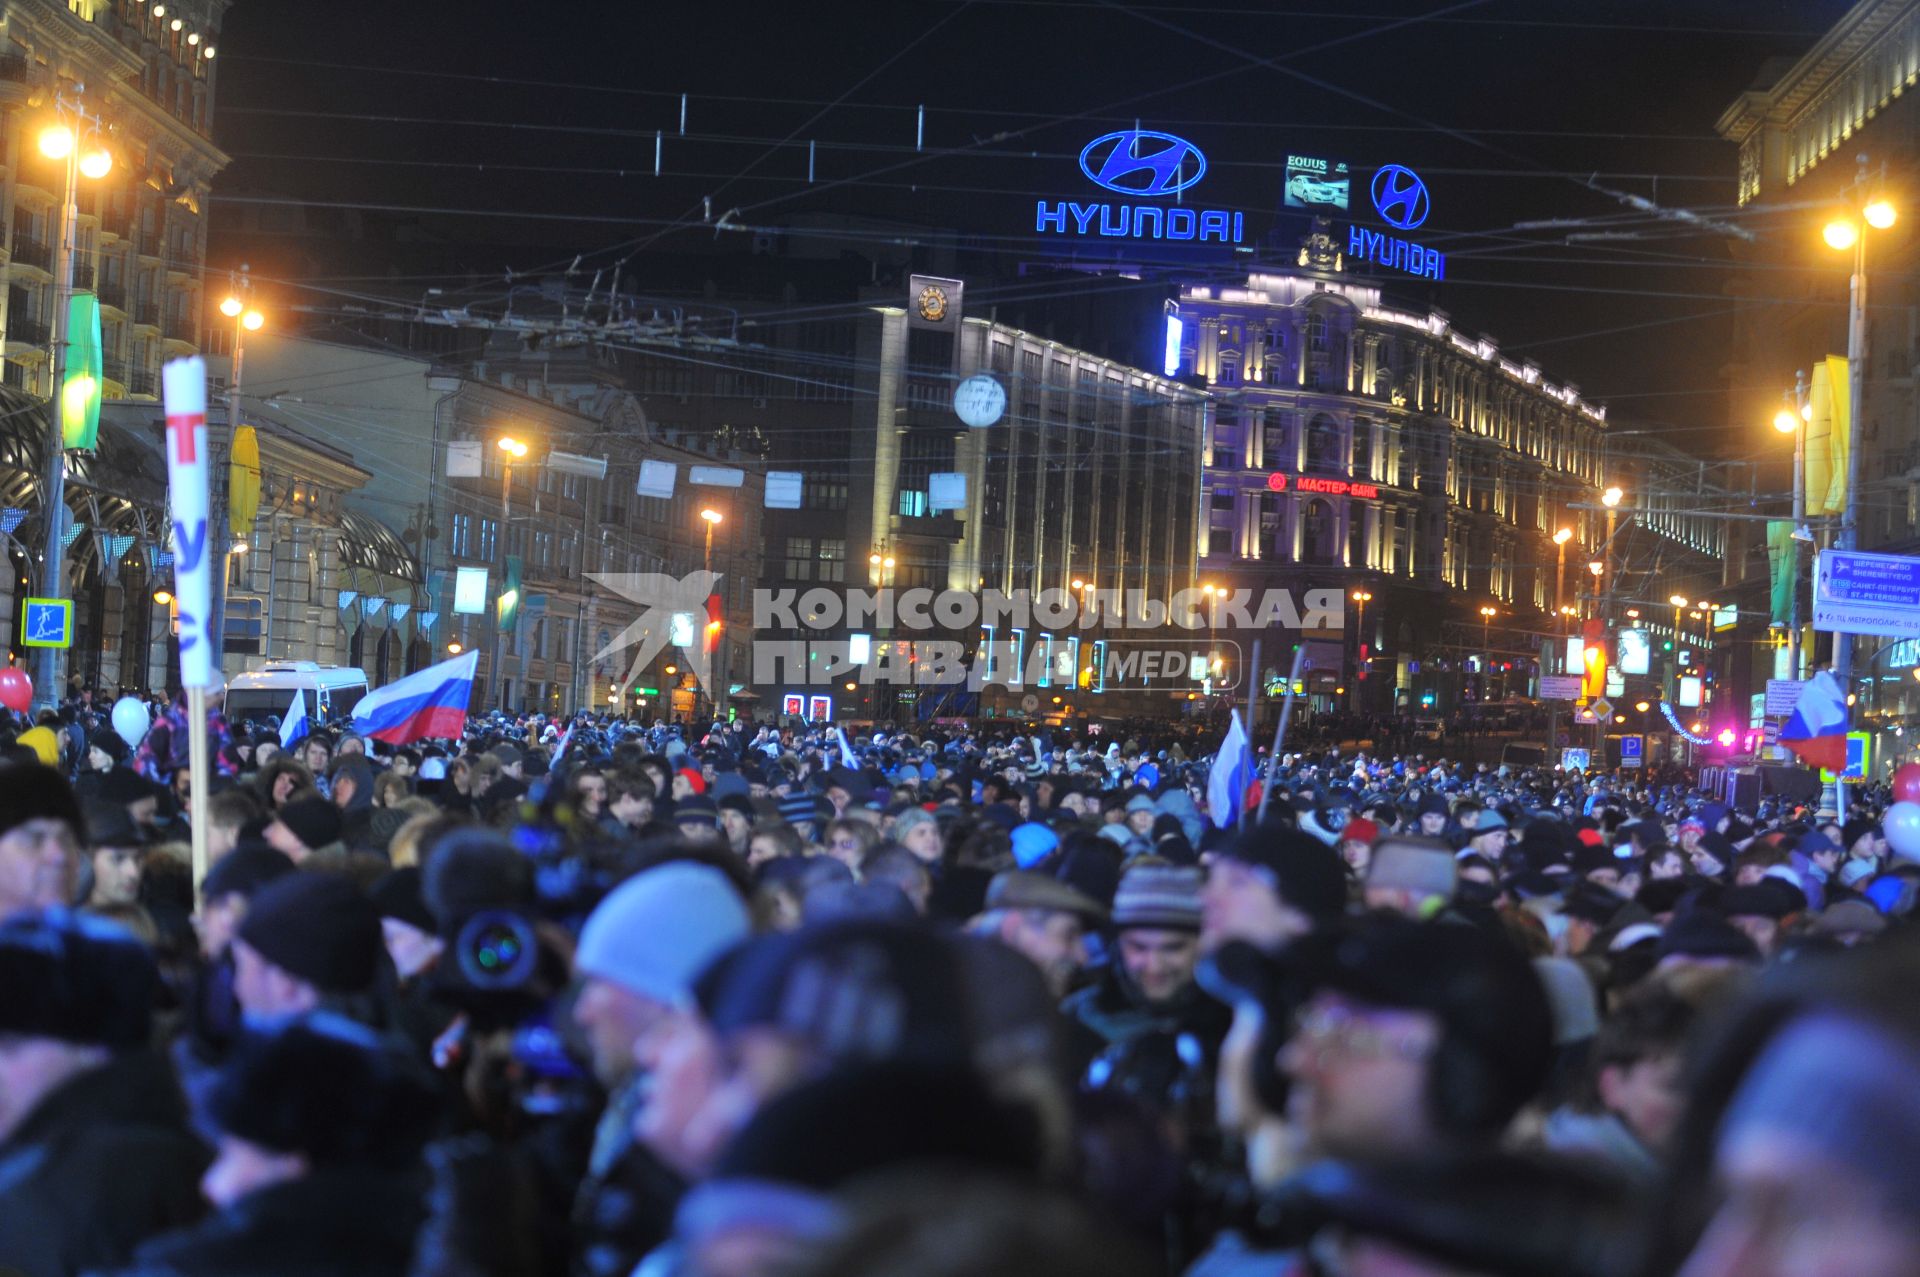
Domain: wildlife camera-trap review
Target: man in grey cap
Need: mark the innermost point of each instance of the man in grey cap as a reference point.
(1044, 919)
(1149, 986)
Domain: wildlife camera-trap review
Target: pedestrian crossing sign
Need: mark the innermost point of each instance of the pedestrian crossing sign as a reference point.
(47, 623)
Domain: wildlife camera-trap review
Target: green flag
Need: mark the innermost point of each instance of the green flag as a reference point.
(1784, 561)
(508, 604)
(80, 381)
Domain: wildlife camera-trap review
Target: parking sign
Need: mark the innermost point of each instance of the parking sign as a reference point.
(1632, 750)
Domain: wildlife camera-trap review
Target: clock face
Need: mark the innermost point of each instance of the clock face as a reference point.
(980, 401)
(933, 304)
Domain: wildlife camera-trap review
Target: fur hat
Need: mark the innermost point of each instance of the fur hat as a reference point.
(75, 979)
(319, 927)
(29, 791)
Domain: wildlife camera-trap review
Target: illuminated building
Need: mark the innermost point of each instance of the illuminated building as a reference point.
(1362, 445)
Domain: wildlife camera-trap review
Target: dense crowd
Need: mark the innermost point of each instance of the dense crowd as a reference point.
(596, 997)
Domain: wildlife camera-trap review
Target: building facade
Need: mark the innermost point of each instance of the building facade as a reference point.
(442, 496)
(1802, 132)
(1382, 452)
(1086, 483)
(141, 230)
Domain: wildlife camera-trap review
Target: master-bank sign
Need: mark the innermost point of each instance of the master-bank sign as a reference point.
(1139, 162)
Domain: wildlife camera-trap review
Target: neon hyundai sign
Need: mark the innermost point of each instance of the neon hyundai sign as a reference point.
(1141, 164)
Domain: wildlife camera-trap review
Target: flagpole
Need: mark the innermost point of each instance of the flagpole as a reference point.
(1279, 735)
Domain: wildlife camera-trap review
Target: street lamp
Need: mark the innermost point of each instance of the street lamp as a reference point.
(1793, 421)
(78, 139)
(512, 450)
(1873, 207)
(1361, 598)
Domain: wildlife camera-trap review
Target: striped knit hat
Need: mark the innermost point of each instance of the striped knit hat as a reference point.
(1158, 896)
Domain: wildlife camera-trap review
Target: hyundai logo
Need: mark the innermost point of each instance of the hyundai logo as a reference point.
(1400, 197)
(1141, 162)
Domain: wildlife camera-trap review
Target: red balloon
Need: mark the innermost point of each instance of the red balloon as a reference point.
(1906, 783)
(16, 689)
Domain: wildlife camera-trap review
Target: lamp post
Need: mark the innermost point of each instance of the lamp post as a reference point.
(1486, 655)
(1611, 500)
(237, 306)
(511, 450)
(1868, 205)
(81, 146)
(714, 633)
(1679, 602)
(1793, 421)
(1361, 598)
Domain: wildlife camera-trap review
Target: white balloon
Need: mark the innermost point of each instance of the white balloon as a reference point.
(1902, 825)
(131, 720)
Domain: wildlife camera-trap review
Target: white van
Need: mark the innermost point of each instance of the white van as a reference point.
(331, 691)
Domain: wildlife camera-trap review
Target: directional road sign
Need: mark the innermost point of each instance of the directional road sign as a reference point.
(47, 623)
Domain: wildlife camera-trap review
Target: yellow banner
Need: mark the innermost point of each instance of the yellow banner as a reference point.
(243, 482)
(1827, 433)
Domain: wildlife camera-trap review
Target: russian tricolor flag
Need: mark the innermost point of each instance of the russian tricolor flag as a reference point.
(429, 704)
(1817, 732)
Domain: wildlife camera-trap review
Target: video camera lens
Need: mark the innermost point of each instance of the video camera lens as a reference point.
(497, 950)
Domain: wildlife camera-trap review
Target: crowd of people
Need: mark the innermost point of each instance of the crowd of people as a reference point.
(596, 997)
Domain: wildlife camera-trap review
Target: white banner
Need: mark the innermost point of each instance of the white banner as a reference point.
(184, 382)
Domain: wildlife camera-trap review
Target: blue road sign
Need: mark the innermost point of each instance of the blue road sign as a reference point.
(1632, 750)
(47, 623)
(1857, 593)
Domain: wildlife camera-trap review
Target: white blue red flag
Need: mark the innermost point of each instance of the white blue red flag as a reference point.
(427, 705)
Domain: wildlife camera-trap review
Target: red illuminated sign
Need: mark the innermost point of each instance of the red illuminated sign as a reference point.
(1329, 487)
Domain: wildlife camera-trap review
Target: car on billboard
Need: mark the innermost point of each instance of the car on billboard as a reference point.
(1316, 183)
(1306, 189)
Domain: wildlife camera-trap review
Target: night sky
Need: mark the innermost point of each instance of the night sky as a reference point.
(491, 108)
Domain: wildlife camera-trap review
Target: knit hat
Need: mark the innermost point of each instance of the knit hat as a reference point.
(109, 825)
(1306, 873)
(1141, 802)
(244, 871)
(29, 791)
(108, 742)
(314, 821)
(1033, 842)
(396, 894)
(325, 1088)
(799, 808)
(1359, 829)
(659, 929)
(1152, 896)
(1700, 934)
(694, 778)
(696, 809)
(75, 979)
(318, 927)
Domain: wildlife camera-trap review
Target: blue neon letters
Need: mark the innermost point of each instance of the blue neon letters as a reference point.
(1364, 245)
(1139, 163)
(1142, 162)
(1136, 221)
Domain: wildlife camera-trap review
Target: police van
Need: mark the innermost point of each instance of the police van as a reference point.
(331, 691)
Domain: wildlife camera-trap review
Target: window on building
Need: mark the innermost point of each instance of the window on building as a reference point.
(833, 560)
(1323, 445)
(1317, 533)
(824, 492)
(800, 558)
(913, 505)
(1363, 450)
(1220, 512)
(489, 548)
(460, 536)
